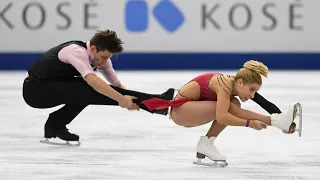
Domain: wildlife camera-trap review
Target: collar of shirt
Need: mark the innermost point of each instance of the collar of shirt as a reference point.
(91, 56)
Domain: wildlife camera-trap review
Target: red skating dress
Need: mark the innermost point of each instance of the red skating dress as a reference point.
(206, 94)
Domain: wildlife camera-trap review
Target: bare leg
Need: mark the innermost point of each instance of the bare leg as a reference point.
(196, 113)
(216, 128)
(206, 147)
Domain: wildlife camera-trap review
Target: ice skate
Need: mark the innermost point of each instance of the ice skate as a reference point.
(299, 116)
(63, 134)
(297, 120)
(285, 121)
(206, 148)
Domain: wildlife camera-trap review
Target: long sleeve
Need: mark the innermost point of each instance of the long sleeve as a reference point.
(109, 73)
(265, 104)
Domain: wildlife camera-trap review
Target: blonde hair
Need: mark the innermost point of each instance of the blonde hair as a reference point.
(251, 72)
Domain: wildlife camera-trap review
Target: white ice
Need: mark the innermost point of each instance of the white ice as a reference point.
(119, 144)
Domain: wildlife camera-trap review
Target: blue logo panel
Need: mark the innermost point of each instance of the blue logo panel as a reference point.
(168, 15)
(136, 17)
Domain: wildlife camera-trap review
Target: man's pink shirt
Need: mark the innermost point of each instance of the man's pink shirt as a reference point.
(81, 59)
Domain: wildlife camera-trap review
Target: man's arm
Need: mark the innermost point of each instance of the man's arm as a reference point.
(78, 58)
(123, 87)
(110, 75)
(265, 104)
(102, 87)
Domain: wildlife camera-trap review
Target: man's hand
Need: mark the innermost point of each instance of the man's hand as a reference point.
(126, 102)
(134, 107)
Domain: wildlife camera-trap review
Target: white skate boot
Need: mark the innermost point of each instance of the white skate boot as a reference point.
(206, 148)
(285, 121)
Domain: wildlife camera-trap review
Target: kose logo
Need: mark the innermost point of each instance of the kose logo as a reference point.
(165, 13)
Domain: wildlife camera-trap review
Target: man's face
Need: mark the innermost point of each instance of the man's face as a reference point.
(100, 58)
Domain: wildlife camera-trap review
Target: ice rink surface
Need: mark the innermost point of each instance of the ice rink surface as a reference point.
(119, 144)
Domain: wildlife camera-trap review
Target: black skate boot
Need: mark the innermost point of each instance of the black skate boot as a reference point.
(168, 95)
(63, 134)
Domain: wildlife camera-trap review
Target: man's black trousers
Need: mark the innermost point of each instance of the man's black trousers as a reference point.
(74, 93)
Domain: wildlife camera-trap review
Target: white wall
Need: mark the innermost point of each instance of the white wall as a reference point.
(275, 25)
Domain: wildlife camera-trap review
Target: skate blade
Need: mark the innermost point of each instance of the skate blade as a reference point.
(67, 143)
(298, 115)
(211, 164)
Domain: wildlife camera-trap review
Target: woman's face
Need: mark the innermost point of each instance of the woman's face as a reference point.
(246, 91)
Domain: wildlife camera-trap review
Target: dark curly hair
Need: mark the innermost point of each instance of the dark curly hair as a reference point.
(107, 40)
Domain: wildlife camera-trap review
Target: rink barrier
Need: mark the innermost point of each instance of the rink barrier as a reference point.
(184, 61)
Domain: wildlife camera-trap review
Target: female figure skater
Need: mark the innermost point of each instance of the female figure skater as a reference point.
(211, 96)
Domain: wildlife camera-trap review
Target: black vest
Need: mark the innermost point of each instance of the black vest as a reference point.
(49, 67)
